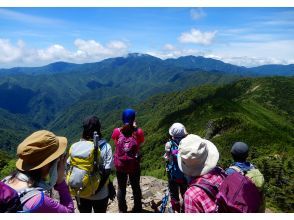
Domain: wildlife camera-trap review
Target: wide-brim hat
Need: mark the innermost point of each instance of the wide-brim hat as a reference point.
(39, 149)
(197, 156)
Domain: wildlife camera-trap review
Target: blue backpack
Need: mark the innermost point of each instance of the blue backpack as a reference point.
(172, 166)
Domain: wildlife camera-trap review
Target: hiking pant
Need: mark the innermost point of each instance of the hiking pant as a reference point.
(174, 189)
(99, 206)
(121, 193)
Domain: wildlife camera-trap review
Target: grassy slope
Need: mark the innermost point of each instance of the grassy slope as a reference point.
(255, 111)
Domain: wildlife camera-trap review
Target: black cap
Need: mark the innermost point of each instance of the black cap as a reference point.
(240, 150)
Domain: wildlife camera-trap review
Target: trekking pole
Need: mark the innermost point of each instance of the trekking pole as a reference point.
(96, 145)
(164, 202)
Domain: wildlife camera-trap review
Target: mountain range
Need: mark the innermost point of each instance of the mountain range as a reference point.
(187, 62)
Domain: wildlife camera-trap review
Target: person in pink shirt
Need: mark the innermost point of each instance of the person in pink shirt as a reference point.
(40, 168)
(128, 139)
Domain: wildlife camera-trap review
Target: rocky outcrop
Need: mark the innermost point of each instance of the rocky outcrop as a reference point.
(153, 190)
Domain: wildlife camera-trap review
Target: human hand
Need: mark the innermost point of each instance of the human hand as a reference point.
(61, 168)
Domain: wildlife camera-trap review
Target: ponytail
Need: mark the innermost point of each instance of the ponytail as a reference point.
(127, 130)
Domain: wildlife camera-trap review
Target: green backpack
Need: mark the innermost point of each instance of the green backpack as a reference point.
(254, 175)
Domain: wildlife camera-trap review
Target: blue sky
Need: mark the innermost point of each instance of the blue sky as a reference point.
(242, 36)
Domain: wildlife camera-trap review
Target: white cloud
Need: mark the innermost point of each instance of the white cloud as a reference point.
(27, 18)
(257, 53)
(19, 54)
(10, 52)
(54, 52)
(92, 50)
(170, 51)
(197, 37)
(239, 53)
(247, 54)
(252, 61)
(117, 45)
(169, 47)
(197, 13)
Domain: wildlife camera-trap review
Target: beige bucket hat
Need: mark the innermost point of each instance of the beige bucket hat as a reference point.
(39, 149)
(197, 156)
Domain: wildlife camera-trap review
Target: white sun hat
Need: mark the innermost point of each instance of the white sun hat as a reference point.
(197, 156)
(177, 130)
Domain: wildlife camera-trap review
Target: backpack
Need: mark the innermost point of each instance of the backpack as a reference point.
(126, 158)
(83, 176)
(12, 201)
(237, 193)
(172, 166)
(254, 175)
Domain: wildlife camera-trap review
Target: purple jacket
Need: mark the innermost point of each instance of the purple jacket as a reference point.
(50, 205)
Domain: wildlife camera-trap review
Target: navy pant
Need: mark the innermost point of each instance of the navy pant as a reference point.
(175, 189)
(121, 193)
(99, 206)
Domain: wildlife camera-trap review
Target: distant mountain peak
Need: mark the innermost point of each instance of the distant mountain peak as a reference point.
(137, 55)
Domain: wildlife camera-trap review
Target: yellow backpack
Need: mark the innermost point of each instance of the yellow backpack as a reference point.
(83, 176)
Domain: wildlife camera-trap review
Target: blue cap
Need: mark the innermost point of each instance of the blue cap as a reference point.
(128, 116)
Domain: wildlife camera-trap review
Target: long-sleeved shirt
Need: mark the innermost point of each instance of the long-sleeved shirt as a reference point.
(196, 199)
(50, 205)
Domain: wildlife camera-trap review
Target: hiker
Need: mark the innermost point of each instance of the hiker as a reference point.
(39, 168)
(128, 139)
(90, 163)
(239, 153)
(197, 159)
(176, 179)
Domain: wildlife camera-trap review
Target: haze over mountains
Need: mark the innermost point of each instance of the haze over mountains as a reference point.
(216, 100)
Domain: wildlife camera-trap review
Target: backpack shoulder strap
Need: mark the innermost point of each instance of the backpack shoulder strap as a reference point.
(207, 187)
(238, 169)
(173, 145)
(29, 193)
(102, 145)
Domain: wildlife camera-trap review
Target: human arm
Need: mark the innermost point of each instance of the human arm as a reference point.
(66, 204)
(51, 205)
(115, 135)
(190, 205)
(107, 165)
(167, 155)
(140, 136)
